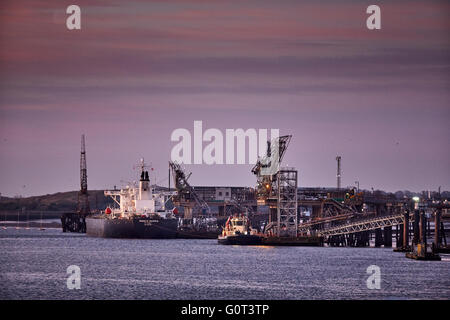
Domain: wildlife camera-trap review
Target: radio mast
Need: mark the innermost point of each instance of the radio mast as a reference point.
(338, 175)
(83, 198)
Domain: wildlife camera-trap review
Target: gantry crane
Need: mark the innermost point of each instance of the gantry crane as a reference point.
(186, 196)
(277, 188)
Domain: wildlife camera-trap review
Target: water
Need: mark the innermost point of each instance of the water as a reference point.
(33, 265)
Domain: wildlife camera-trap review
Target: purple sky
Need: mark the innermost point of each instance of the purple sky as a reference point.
(140, 69)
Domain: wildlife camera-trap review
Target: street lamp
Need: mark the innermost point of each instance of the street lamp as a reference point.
(416, 202)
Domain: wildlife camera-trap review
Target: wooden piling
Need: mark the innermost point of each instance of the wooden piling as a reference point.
(400, 229)
(437, 225)
(423, 229)
(416, 228)
(387, 236)
(378, 238)
(406, 230)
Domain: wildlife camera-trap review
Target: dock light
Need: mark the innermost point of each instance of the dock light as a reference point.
(416, 199)
(267, 186)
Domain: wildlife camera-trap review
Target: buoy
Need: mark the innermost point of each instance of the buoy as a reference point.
(108, 211)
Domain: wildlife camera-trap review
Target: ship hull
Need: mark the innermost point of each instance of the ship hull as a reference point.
(197, 234)
(242, 239)
(138, 228)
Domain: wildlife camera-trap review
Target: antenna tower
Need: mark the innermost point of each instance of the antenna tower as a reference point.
(83, 198)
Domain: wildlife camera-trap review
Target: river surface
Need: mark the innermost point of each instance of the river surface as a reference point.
(33, 265)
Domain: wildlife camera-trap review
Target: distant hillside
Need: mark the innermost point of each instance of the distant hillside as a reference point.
(60, 201)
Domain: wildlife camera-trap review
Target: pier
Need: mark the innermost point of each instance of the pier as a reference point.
(336, 217)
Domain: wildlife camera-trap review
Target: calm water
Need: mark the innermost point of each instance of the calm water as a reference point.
(33, 265)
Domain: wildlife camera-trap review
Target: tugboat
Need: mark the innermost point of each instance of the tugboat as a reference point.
(237, 231)
(141, 214)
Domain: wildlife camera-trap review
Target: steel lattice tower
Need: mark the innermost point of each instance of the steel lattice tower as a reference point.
(83, 198)
(286, 186)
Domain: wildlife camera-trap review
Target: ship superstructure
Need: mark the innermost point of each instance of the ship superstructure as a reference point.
(140, 213)
(139, 201)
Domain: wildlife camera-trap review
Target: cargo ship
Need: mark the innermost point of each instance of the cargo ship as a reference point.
(237, 231)
(140, 213)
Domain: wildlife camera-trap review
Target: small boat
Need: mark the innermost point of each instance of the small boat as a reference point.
(237, 231)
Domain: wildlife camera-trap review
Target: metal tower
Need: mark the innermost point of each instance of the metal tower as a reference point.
(83, 198)
(286, 185)
(338, 175)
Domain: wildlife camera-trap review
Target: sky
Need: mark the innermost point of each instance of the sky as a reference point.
(137, 70)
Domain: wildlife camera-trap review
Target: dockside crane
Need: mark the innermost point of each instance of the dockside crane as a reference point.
(277, 188)
(75, 221)
(267, 167)
(186, 196)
